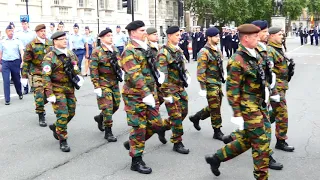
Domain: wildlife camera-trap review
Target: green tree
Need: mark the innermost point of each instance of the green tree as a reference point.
(293, 8)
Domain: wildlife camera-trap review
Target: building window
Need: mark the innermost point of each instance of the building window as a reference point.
(63, 11)
(83, 3)
(104, 4)
(135, 5)
(120, 5)
(56, 2)
(174, 11)
(87, 12)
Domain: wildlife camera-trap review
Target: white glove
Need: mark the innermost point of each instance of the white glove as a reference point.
(52, 99)
(122, 75)
(168, 99)
(24, 82)
(188, 79)
(149, 100)
(238, 121)
(225, 76)
(98, 92)
(203, 93)
(267, 95)
(80, 83)
(273, 81)
(161, 78)
(275, 98)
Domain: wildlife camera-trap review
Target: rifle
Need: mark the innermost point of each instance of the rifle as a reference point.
(220, 64)
(152, 64)
(178, 65)
(69, 70)
(291, 65)
(115, 66)
(269, 65)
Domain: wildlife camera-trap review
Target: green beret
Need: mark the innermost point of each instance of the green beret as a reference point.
(274, 30)
(58, 34)
(39, 27)
(104, 32)
(248, 29)
(151, 30)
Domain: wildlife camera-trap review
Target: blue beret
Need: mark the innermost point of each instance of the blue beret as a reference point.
(213, 31)
(76, 25)
(52, 24)
(9, 27)
(261, 24)
(172, 29)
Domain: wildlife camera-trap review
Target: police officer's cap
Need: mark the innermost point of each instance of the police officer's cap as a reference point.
(118, 26)
(172, 29)
(212, 31)
(274, 30)
(39, 27)
(87, 27)
(58, 34)
(151, 30)
(261, 24)
(104, 32)
(9, 27)
(135, 25)
(248, 29)
(23, 20)
(61, 23)
(52, 24)
(11, 23)
(76, 25)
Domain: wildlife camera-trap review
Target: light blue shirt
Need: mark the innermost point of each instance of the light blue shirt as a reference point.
(78, 41)
(89, 39)
(10, 49)
(26, 36)
(119, 39)
(49, 34)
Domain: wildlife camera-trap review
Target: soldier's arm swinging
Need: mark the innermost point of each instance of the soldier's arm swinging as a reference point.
(202, 60)
(94, 65)
(27, 58)
(163, 63)
(46, 73)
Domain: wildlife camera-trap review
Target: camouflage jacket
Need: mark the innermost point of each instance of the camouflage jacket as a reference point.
(138, 79)
(172, 83)
(102, 72)
(54, 76)
(280, 66)
(243, 88)
(33, 57)
(208, 70)
(155, 51)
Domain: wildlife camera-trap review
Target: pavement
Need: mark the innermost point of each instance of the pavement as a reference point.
(30, 152)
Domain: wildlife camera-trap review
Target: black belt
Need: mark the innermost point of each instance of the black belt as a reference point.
(76, 49)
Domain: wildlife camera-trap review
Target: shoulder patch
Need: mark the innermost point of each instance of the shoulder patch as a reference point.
(46, 68)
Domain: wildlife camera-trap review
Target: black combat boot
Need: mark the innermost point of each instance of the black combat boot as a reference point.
(217, 134)
(108, 135)
(273, 164)
(53, 129)
(42, 120)
(214, 162)
(195, 120)
(126, 145)
(227, 139)
(64, 146)
(282, 145)
(179, 147)
(162, 135)
(99, 120)
(140, 166)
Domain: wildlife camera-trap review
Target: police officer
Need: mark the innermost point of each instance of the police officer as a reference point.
(105, 82)
(58, 87)
(51, 30)
(11, 54)
(311, 34)
(194, 44)
(281, 69)
(234, 41)
(316, 35)
(172, 64)
(120, 39)
(139, 95)
(210, 77)
(32, 65)
(79, 45)
(199, 39)
(183, 44)
(244, 96)
(91, 44)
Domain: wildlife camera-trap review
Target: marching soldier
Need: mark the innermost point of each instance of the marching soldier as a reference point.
(284, 69)
(59, 69)
(172, 64)
(139, 95)
(105, 76)
(245, 87)
(32, 64)
(210, 76)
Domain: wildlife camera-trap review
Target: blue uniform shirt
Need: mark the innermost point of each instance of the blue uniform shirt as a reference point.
(78, 41)
(26, 36)
(119, 39)
(10, 49)
(89, 38)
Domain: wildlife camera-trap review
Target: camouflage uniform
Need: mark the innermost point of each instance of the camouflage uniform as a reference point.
(173, 86)
(139, 83)
(56, 82)
(244, 96)
(280, 112)
(32, 64)
(103, 76)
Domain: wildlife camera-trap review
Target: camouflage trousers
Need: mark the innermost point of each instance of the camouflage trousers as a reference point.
(280, 116)
(250, 138)
(144, 120)
(38, 93)
(109, 103)
(177, 111)
(64, 108)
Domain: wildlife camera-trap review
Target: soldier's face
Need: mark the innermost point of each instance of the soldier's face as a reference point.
(107, 39)
(61, 42)
(174, 38)
(215, 39)
(139, 33)
(277, 38)
(252, 40)
(41, 33)
(153, 37)
(263, 35)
